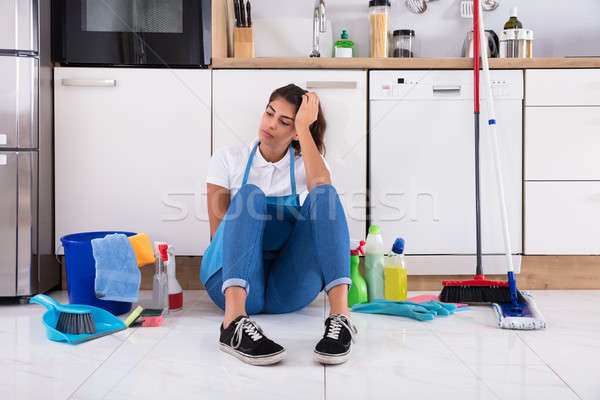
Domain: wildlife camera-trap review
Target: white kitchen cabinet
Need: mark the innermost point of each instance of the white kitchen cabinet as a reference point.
(562, 218)
(562, 143)
(562, 171)
(562, 87)
(240, 98)
(131, 153)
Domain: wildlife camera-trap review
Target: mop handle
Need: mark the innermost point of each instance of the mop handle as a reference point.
(479, 263)
(494, 142)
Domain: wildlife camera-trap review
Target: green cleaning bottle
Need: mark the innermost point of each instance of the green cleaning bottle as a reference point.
(344, 47)
(358, 291)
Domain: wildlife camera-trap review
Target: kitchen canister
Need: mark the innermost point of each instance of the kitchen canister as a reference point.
(379, 18)
(516, 43)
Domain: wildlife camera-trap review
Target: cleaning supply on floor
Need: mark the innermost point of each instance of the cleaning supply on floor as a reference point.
(422, 298)
(133, 316)
(117, 274)
(76, 323)
(374, 262)
(357, 294)
(152, 322)
(426, 311)
(518, 311)
(395, 273)
(142, 248)
(532, 320)
(343, 48)
(174, 288)
(160, 288)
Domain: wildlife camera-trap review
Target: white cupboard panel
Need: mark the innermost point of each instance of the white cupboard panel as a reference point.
(132, 149)
(562, 218)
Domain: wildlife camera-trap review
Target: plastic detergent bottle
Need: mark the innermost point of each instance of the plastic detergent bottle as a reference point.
(374, 262)
(395, 273)
(175, 290)
(358, 291)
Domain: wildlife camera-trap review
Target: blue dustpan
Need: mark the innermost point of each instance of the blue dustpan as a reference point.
(106, 323)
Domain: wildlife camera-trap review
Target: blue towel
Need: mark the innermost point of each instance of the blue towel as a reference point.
(117, 274)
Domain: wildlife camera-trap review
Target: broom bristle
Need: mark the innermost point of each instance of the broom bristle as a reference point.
(477, 294)
(76, 324)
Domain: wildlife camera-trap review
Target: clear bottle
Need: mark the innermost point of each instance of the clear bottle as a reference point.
(175, 290)
(343, 48)
(374, 262)
(395, 273)
(379, 18)
(513, 22)
(160, 284)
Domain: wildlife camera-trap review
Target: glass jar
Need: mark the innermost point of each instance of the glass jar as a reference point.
(379, 18)
(403, 43)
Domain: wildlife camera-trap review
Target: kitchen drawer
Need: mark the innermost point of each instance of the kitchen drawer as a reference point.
(562, 218)
(566, 87)
(561, 143)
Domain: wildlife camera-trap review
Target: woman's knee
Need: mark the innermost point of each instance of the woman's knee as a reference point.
(249, 199)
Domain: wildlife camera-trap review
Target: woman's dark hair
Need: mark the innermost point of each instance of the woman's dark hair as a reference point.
(293, 94)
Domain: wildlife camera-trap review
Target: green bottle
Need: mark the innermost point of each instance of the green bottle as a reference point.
(358, 291)
(513, 22)
(344, 47)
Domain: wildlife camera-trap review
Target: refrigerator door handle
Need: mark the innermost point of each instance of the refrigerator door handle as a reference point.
(89, 82)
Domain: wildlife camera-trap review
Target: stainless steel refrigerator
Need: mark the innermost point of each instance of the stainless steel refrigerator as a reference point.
(27, 266)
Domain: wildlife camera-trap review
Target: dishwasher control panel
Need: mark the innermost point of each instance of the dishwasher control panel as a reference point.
(442, 84)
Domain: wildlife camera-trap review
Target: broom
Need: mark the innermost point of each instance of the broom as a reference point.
(479, 289)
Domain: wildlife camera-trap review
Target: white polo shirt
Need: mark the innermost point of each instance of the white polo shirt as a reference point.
(227, 166)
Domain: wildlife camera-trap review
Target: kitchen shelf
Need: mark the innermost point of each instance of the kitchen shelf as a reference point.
(403, 63)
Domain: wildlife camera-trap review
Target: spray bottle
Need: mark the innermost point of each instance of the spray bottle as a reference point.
(160, 293)
(175, 290)
(374, 262)
(358, 291)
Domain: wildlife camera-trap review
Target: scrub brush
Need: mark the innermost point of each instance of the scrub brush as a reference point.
(75, 321)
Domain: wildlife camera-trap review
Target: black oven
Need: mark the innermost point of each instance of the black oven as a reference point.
(166, 33)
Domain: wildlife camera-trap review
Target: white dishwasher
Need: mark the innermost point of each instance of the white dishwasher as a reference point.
(422, 167)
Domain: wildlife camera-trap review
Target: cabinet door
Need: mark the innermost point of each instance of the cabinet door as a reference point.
(565, 87)
(561, 143)
(132, 149)
(562, 218)
(240, 98)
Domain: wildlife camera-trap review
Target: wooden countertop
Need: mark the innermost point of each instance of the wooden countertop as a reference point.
(402, 63)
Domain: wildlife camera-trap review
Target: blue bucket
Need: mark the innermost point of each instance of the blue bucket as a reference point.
(81, 271)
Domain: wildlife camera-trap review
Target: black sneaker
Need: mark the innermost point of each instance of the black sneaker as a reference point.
(339, 334)
(245, 340)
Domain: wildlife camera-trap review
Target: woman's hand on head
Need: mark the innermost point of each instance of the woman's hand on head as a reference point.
(307, 113)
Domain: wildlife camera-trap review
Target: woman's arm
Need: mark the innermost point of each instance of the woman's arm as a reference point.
(218, 202)
(316, 171)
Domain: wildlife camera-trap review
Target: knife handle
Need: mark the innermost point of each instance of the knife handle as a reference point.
(248, 14)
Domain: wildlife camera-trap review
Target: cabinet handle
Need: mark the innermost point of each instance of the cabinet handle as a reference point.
(331, 84)
(90, 82)
(446, 88)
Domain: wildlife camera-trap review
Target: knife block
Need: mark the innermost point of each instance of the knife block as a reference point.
(243, 42)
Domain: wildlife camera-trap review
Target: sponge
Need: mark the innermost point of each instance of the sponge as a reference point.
(142, 249)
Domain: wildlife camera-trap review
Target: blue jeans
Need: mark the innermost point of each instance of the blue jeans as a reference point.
(316, 255)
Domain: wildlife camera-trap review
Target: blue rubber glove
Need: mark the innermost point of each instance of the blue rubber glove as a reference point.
(413, 310)
(433, 306)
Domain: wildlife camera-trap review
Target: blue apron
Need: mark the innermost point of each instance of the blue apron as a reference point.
(281, 217)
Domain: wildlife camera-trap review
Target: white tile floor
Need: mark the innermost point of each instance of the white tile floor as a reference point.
(461, 356)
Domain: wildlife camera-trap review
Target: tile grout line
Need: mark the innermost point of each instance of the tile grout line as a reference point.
(549, 366)
(479, 378)
(108, 358)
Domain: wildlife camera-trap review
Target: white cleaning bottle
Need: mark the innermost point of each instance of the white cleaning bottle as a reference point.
(374, 264)
(175, 290)
(160, 293)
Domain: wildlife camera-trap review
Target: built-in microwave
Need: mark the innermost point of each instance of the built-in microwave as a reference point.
(166, 33)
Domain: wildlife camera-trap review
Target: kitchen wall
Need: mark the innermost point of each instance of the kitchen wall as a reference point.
(561, 28)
